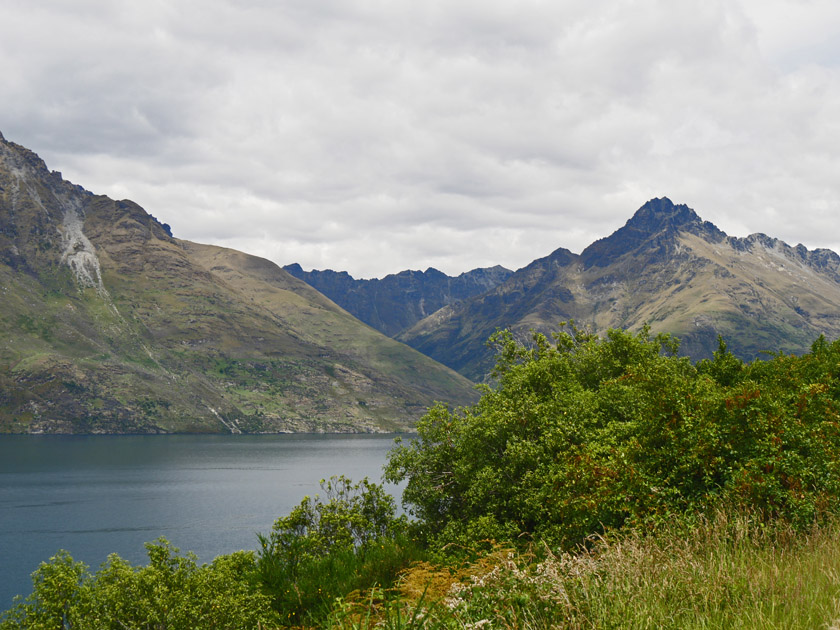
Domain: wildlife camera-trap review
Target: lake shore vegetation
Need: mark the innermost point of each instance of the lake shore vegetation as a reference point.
(600, 482)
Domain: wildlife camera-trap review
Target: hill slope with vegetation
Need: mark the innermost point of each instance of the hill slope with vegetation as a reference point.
(604, 482)
(111, 325)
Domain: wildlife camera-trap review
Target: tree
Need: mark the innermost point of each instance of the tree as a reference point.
(326, 547)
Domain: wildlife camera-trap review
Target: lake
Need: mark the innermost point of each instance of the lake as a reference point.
(94, 495)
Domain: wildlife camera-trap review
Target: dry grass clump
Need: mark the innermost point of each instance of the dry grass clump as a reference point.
(729, 571)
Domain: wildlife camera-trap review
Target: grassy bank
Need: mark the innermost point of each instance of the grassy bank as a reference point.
(733, 571)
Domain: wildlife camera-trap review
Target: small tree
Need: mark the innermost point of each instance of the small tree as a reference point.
(321, 549)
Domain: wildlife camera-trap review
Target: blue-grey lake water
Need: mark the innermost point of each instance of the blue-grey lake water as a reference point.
(94, 495)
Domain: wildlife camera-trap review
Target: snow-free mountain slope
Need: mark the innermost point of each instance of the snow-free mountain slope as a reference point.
(665, 267)
(109, 324)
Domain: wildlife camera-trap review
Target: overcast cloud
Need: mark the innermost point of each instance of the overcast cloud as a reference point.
(379, 135)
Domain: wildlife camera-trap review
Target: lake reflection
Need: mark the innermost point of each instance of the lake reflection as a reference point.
(93, 495)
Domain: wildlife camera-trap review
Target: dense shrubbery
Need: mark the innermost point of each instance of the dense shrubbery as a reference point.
(583, 446)
(349, 540)
(172, 592)
(587, 433)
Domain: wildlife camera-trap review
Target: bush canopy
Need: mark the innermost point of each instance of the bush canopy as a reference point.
(584, 433)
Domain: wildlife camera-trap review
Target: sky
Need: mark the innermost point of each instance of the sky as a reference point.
(373, 136)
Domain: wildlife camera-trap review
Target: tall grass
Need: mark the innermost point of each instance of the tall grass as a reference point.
(729, 571)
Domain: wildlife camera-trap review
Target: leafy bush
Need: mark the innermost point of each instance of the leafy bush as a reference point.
(326, 548)
(172, 592)
(587, 433)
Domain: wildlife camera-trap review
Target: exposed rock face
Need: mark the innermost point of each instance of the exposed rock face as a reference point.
(652, 227)
(110, 325)
(665, 267)
(79, 253)
(398, 301)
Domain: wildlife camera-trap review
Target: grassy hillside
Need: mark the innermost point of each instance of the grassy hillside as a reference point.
(727, 572)
(111, 325)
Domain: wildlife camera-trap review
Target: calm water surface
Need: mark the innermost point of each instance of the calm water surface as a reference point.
(94, 495)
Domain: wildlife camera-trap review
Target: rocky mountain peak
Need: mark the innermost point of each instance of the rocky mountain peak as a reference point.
(661, 213)
(432, 273)
(295, 269)
(654, 223)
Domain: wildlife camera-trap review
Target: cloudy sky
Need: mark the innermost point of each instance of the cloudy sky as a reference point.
(379, 135)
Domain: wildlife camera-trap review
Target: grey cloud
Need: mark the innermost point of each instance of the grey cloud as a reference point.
(377, 136)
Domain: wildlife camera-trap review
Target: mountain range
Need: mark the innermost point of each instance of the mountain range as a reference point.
(109, 324)
(665, 267)
(398, 301)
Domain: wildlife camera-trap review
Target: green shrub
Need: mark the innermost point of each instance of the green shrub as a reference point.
(351, 540)
(172, 592)
(587, 434)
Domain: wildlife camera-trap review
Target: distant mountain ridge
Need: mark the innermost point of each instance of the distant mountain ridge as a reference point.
(398, 301)
(110, 325)
(665, 267)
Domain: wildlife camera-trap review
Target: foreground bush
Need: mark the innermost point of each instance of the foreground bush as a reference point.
(349, 540)
(171, 592)
(588, 434)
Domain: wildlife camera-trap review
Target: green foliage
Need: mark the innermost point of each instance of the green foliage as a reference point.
(59, 589)
(326, 548)
(587, 443)
(584, 434)
(172, 592)
(350, 517)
